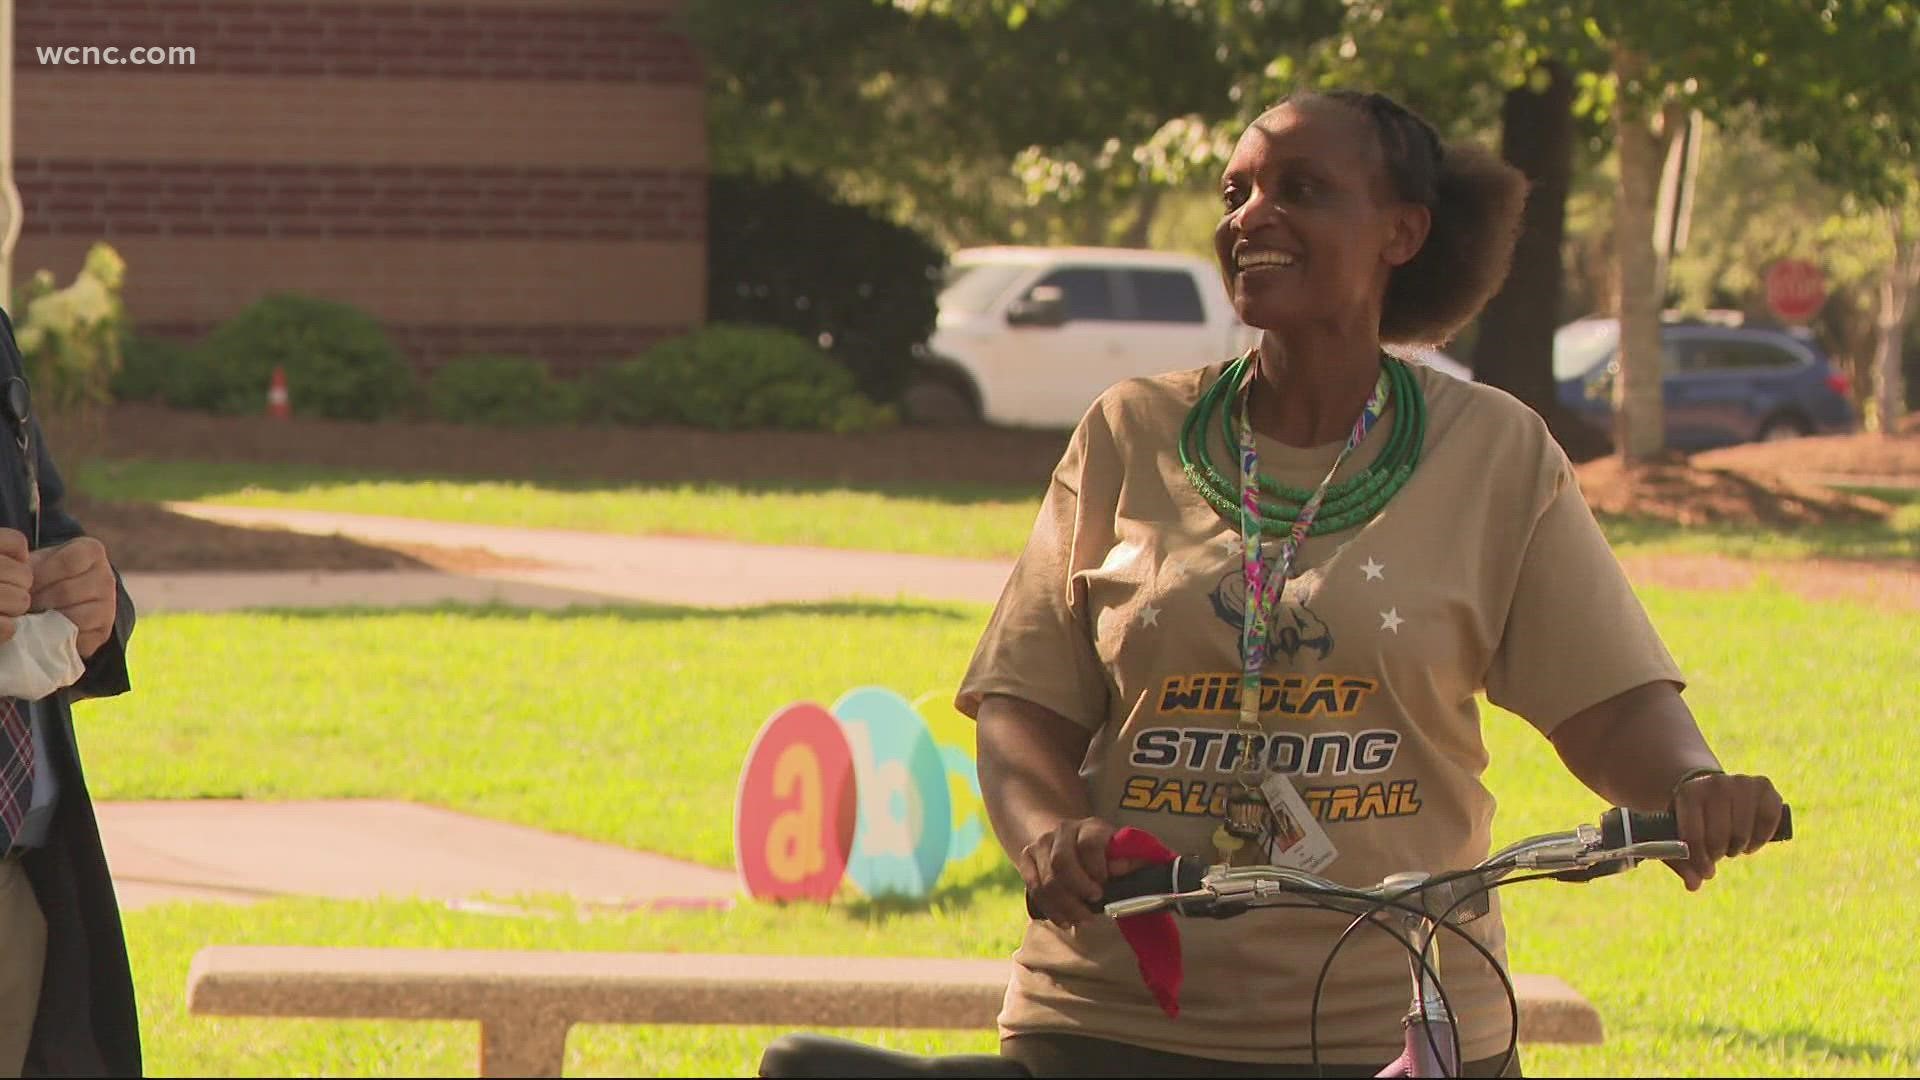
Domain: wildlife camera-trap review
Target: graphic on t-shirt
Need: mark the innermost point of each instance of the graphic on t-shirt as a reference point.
(1293, 629)
(1359, 755)
(1200, 797)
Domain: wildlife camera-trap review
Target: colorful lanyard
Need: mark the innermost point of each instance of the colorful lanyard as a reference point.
(1265, 583)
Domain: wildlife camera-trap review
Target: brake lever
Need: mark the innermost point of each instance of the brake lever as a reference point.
(1608, 863)
(1199, 904)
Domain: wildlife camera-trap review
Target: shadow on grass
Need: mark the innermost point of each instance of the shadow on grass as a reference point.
(956, 896)
(192, 481)
(1800, 1041)
(641, 613)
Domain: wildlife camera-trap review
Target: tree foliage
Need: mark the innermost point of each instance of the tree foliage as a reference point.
(1046, 120)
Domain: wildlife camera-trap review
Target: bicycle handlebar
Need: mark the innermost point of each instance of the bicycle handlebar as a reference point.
(1622, 839)
(1619, 828)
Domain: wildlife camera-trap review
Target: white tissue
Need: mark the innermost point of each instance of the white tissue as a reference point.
(41, 658)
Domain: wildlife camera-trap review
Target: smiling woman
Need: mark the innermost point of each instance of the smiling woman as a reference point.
(1312, 545)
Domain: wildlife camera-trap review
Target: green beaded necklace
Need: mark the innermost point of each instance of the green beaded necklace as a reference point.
(1351, 502)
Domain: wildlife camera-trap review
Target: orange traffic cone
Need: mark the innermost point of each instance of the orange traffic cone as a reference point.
(279, 406)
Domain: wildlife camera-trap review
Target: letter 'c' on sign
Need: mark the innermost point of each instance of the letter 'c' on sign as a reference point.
(794, 815)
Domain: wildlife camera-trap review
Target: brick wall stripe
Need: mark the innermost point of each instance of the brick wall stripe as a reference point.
(131, 113)
(106, 199)
(379, 40)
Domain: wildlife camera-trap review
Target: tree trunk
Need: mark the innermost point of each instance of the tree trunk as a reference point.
(1638, 405)
(1140, 230)
(1514, 347)
(1896, 309)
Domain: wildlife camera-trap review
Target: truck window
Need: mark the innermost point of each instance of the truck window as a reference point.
(971, 288)
(1165, 296)
(1088, 293)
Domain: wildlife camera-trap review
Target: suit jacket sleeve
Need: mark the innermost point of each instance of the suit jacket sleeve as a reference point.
(106, 671)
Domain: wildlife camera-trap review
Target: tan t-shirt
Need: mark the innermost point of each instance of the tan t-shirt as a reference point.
(1486, 572)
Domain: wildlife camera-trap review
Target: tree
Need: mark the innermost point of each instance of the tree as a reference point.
(1514, 347)
(1102, 103)
(1902, 223)
(970, 120)
(1833, 78)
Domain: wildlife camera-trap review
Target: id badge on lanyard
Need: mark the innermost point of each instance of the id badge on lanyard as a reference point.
(1266, 818)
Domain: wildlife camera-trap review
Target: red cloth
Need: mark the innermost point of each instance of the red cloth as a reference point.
(1154, 936)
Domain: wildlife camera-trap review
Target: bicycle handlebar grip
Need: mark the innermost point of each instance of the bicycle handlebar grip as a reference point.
(1619, 828)
(1142, 882)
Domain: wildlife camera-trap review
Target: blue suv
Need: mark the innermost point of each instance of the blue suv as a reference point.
(1725, 384)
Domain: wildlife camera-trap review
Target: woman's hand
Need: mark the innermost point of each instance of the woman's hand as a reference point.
(1721, 816)
(1066, 868)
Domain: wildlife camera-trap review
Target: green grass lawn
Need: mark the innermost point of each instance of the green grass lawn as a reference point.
(624, 725)
(983, 522)
(977, 522)
(1795, 962)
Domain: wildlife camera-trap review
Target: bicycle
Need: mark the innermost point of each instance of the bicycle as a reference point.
(1424, 905)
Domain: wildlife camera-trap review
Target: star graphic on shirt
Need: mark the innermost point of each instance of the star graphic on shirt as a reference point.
(1390, 620)
(1149, 616)
(1372, 569)
(1233, 543)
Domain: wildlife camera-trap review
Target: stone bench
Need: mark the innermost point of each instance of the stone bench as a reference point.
(525, 1001)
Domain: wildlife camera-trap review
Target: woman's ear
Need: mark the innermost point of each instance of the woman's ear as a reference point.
(1411, 223)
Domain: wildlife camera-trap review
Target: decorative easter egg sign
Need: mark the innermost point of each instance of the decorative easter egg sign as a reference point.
(906, 817)
(794, 817)
(953, 732)
(879, 791)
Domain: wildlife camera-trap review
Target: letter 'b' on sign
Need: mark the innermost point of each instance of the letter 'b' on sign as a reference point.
(906, 816)
(794, 817)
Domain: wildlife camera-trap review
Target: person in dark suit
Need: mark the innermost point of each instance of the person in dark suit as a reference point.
(66, 987)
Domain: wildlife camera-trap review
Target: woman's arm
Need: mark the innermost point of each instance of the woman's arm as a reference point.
(1635, 748)
(1029, 759)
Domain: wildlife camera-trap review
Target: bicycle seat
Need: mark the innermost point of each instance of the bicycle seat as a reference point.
(802, 1055)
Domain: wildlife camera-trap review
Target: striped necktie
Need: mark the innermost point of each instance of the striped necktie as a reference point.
(16, 771)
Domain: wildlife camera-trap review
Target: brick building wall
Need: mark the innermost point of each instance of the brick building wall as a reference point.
(518, 176)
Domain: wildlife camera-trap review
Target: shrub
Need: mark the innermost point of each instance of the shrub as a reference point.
(157, 369)
(781, 253)
(734, 377)
(500, 391)
(339, 362)
(72, 338)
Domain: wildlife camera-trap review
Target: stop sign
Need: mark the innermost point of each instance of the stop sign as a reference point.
(1795, 289)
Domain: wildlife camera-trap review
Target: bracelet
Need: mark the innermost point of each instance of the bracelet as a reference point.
(1673, 797)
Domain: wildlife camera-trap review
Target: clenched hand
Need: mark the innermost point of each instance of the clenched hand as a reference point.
(76, 580)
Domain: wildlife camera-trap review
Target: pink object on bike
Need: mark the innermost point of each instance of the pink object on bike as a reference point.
(1154, 937)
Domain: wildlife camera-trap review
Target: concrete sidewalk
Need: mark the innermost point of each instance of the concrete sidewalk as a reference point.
(240, 851)
(576, 568)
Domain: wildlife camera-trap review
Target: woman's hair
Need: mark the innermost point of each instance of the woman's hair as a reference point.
(1475, 200)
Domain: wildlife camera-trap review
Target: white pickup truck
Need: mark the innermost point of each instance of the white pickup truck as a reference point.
(1029, 336)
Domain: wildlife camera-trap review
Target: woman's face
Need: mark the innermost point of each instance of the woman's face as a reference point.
(1312, 228)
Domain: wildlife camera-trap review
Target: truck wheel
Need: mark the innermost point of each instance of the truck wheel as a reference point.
(937, 402)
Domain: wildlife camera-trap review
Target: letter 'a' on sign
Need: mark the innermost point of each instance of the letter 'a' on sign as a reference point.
(794, 816)
(906, 817)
